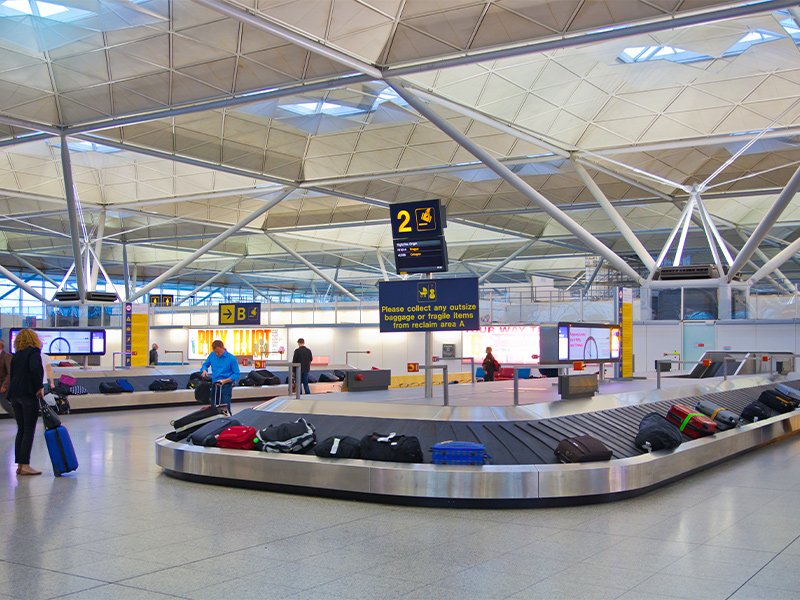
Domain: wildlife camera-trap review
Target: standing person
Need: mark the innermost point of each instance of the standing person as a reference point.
(153, 355)
(303, 356)
(24, 392)
(5, 376)
(224, 371)
(490, 365)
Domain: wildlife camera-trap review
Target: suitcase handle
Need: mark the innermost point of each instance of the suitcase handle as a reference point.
(689, 418)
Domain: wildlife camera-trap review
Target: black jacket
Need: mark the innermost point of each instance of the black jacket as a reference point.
(303, 356)
(153, 356)
(27, 373)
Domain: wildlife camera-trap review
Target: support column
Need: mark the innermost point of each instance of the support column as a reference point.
(72, 211)
(761, 231)
(615, 217)
(211, 245)
(22, 285)
(98, 246)
(210, 281)
(429, 359)
(517, 182)
(776, 261)
(383, 264)
(302, 259)
(504, 262)
(684, 215)
(125, 273)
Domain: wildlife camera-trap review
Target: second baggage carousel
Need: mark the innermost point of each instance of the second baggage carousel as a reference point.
(525, 471)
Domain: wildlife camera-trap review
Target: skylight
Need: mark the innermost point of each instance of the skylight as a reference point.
(790, 26)
(48, 10)
(649, 53)
(325, 108)
(679, 55)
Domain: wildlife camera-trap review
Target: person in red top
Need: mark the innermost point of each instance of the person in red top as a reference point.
(490, 365)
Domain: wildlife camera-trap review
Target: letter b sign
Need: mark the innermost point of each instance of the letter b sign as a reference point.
(241, 313)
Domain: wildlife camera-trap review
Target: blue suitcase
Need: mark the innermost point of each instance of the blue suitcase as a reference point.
(459, 453)
(62, 453)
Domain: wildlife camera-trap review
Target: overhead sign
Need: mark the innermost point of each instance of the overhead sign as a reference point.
(422, 255)
(440, 305)
(424, 218)
(261, 343)
(162, 299)
(240, 314)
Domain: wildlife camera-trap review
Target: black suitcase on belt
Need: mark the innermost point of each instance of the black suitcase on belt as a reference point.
(207, 434)
(781, 403)
(756, 411)
(583, 448)
(187, 425)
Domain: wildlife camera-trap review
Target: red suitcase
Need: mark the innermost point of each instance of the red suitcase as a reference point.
(238, 437)
(690, 422)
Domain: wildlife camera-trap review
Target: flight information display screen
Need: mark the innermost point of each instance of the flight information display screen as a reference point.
(588, 342)
(424, 255)
(69, 341)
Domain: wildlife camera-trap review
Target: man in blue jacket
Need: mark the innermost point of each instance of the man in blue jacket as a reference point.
(224, 371)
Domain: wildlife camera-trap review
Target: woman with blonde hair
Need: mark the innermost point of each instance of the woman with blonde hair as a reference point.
(24, 392)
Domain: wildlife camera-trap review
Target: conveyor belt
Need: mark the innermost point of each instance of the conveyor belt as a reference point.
(512, 442)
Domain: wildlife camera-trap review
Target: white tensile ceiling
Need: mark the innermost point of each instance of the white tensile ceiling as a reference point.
(183, 117)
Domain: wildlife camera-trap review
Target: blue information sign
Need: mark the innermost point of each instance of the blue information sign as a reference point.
(422, 218)
(240, 314)
(429, 305)
(127, 334)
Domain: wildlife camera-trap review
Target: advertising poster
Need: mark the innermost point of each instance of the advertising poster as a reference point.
(510, 344)
(261, 342)
(140, 332)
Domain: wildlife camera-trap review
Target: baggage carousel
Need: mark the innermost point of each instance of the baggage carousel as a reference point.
(520, 439)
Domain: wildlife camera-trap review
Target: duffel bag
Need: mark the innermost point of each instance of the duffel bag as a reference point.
(776, 401)
(246, 382)
(581, 449)
(340, 375)
(725, 418)
(789, 391)
(202, 392)
(292, 437)
(207, 434)
(194, 378)
(125, 385)
(187, 425)
(756, 411)
(272, 381)
(110, 387)
(656, 433)
(256, 378)
(164, 385)
(391, 448)
(327, 378)
(61, 390)
(338, 447)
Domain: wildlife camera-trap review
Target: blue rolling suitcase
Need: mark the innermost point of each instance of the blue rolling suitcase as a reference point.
(62, 453)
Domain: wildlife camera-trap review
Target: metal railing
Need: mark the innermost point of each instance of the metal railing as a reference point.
(349, 352)
(444, 380)
(114, 359)
(293, 368)
(463, 360)
(176, 352)
(771, 361)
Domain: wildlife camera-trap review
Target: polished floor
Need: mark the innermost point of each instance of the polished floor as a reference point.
(119, 528)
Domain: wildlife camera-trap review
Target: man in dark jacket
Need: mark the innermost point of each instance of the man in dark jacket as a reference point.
(303, 356)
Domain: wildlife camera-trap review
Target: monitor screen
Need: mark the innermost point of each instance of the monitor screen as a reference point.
(69, 341)
(588, 342)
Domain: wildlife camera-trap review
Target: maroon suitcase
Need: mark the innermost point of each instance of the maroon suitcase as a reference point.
(238, 437)
(690, 422)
